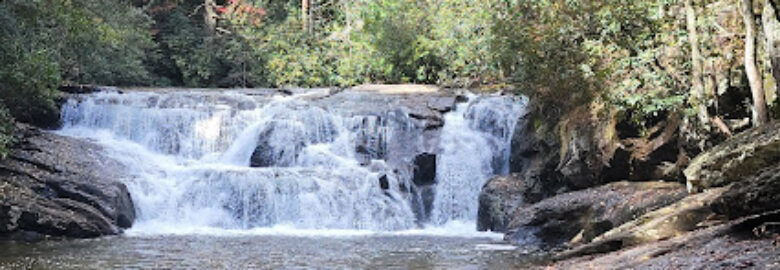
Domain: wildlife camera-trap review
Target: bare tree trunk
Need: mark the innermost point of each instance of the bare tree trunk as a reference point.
(760, 115)
(209, 16)
(697, 87)
(771, 25)
(305, 14)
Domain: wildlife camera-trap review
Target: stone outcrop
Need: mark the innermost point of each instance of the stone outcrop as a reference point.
(721, 246)
(670, 221)
(577, 217)
(414, 115)
(753, 195)
(500, 197)
(731, 222)
(59, 186)
(739, 157)
(582, 150)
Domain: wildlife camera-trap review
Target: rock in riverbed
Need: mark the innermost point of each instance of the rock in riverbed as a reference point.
(59, 186)
(577, 217)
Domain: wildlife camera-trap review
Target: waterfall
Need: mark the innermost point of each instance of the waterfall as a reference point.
(475, 145)
(241, 160)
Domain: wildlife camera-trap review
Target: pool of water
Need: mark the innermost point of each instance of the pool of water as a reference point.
(265, 252)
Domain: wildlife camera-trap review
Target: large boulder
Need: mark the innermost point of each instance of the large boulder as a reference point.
(753, 195)
(59, 186)
(739, 157)
(577, 217)
(500, 197)
(278, 144)
(673, 220)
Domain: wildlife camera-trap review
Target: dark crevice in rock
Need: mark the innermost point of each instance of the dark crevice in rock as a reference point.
(424, 169)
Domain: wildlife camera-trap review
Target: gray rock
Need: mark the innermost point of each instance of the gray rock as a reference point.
(424, 169)
(753, 195)
(673, 220)
(577, 217)
(739, 157)
(270, 152)
(59, 186)
(500, 197)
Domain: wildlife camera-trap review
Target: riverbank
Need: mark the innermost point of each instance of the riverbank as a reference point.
(574, 192)
(725, 216)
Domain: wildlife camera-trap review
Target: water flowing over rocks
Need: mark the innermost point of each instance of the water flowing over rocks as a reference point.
(370, 158)
(60, 186)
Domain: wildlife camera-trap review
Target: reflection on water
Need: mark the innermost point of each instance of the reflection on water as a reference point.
(263, 252)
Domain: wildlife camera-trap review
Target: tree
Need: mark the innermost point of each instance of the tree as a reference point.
(760, 115)
(697, 87)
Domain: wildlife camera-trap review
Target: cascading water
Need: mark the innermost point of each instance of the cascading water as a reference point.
(475, 145)
(238, 160)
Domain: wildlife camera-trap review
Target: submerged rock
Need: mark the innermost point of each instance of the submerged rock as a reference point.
(741, 156)
(59, 186)
(577, 217)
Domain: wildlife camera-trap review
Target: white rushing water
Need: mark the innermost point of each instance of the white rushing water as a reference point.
(188, 157)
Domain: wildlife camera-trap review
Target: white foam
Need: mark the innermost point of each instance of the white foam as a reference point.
(187, 157)
(452, 229)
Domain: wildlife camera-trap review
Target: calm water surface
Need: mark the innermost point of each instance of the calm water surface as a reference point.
(263, 252)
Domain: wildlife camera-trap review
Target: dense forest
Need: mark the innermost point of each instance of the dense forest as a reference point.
(711, 63)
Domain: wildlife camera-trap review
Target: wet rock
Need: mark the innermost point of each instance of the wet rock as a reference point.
(739, 157)
(442, 104)
(59, 186)
(422, 203)
(500, 197)
(424, 169)
(79, 89)
(383, 182)
(577, 217)
(279, 144)
(547, 165)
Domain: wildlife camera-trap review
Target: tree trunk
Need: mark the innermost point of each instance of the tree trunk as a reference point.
(305, 14)
(771, 26)
(697, 83)
(760, 115)
(209, 16)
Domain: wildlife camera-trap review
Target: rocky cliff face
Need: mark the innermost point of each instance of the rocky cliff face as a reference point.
(734, 207)
(59, 186)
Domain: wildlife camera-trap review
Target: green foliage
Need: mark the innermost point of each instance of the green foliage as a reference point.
(29, 71)
(296, 58)
(627, 56)
(50, 42)
(6, 131)
(539, 46)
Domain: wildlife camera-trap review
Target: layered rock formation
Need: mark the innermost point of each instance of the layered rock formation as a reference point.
(735, 159)
(729, 223)
(59, 186)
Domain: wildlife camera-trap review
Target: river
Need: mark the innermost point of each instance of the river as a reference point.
(309, 179)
